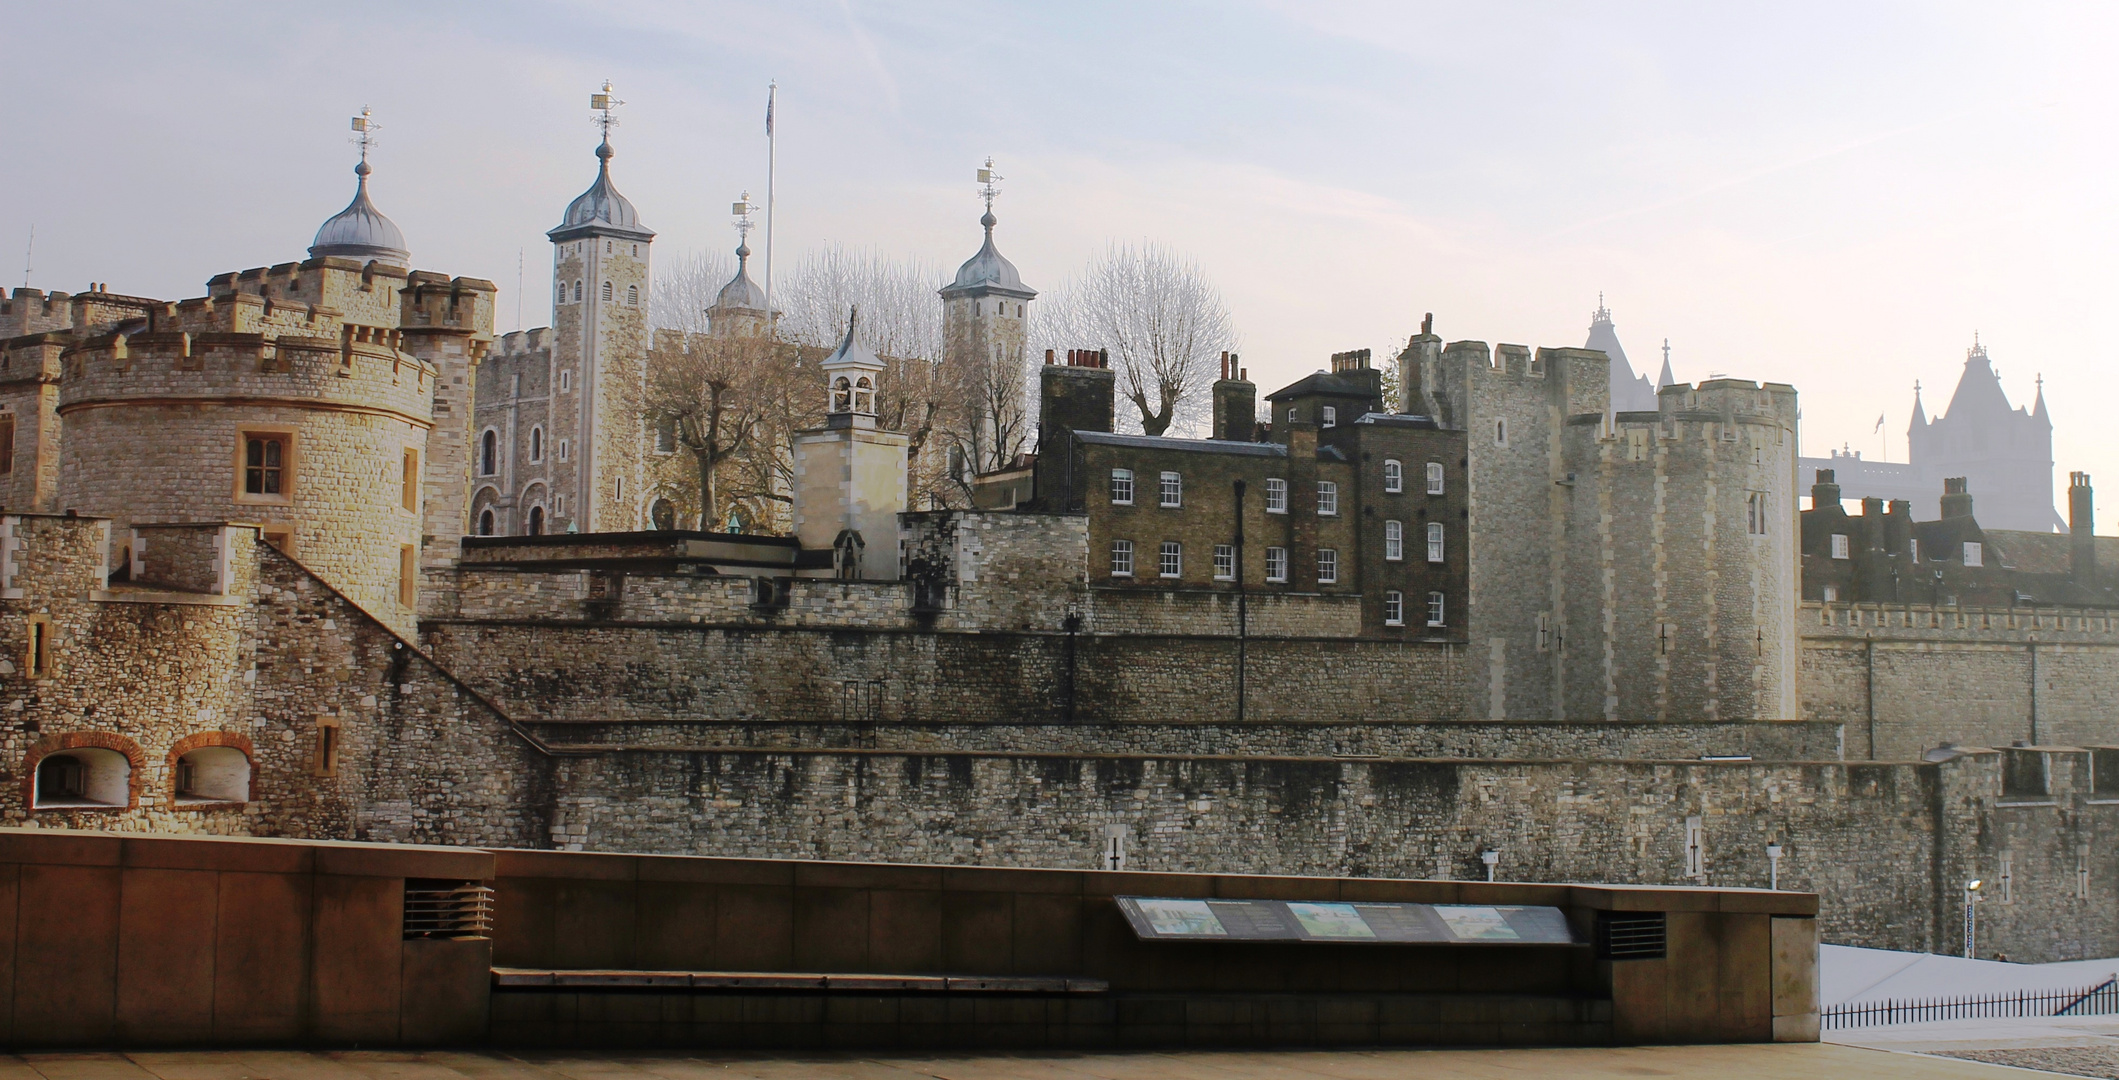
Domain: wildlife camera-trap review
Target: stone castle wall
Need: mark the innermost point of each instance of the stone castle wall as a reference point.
(1918, 677)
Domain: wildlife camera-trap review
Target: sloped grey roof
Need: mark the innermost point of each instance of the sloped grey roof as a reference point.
(988, 271)
(1629, 392)
(360, 231)
(1200, 446)
(601, 209)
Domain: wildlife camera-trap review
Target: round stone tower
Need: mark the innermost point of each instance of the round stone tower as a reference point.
(299, 397)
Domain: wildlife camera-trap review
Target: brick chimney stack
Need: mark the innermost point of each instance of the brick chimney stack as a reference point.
(1235, 403)
(1825, 491)
(1956, 499)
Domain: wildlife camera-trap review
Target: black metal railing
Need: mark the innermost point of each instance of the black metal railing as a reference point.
(2099, 1000)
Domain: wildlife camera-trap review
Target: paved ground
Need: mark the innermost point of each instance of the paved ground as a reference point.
(1764, 1062)
(2076, 1045)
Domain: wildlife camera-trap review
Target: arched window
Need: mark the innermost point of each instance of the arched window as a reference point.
(864, 396)
(537, 521)
(216, 774)
(537, 444)
(606, 292)
(485, 522)
(842, 395)
(577, 290)
(632, 296)
(663, 514)
(84, 777)
(1501, 432)
(489, 453)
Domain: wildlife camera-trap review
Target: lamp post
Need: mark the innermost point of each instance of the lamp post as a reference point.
(1492, 858)
(1971, 918)
(1773, 866)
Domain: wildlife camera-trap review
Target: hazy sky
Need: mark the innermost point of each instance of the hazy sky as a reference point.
(1834, 195)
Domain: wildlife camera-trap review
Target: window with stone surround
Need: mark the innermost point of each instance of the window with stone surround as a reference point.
(489, 453)
(1394, 540)
(666, 435)
(1225, 562)
(1276, 564)
(324, 760)
(536, 521)
(1327, 566)
(1434, 478)
(264, 467)
(1394, 608)
(1327, 499)
(632, 296)
(1435, 609)
(485, 522)
(37, 647)
(407, 574)
(566, 447)
(1170, 559)
(1121, 487)
(1434, 541)
(566, 379)
(606, 292)
(1755, 513)
(279, 536)
(1276, 495)
(537, 445)
(7, 443)
(577, 290)
(409, 494)
(1172, 490)
(1393, 476)
(1121, 558)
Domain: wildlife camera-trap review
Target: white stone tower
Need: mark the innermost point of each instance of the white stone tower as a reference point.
(600, 299)
(849, 475)
(984, 329)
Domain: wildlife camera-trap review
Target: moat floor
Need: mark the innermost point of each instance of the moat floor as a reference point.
(1815, 1061)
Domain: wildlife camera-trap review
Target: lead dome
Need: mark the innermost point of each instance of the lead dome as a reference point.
(360, 231)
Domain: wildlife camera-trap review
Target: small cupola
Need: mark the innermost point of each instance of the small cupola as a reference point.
(850, 376)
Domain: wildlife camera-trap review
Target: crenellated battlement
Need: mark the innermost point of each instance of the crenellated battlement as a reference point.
(525, 342)
(1726, 401)
(336, 365)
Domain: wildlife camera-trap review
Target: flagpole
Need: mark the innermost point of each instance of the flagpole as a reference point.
(772, 163)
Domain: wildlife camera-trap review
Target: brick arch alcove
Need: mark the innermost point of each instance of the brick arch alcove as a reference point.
(200, 740)
(135, 763)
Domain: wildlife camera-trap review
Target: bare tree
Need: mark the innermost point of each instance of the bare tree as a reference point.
(686, 284)
(1164, 323)
(710, 395)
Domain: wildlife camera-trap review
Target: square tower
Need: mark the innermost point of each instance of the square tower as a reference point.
(596, 471)
(850, 475)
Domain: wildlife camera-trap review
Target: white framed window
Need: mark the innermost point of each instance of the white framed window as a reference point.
(1170, 560)
(1225, 562)
(1171, 492)
(1974, 554)
(1393, 476)
(1839, 545)
(1121, 487)
(1327, 566)
(1434, 541)
(1327, 499)
(1913, 548)
(1394, 541)
(1394, 608)
(1276, 495)
(537, 445)
(1501, 432)
(1327, 417)
(1121, 558)
(1755, 513)
(1831, 593)
(1291, 414)
(566, 379)
(1435, 610)
(1276, 564)
(1434, 478)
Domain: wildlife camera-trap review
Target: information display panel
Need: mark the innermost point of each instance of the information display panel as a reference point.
(1360, 922)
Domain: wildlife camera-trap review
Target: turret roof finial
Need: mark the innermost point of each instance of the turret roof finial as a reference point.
(360, 231)
(988, 177)
(602, 103)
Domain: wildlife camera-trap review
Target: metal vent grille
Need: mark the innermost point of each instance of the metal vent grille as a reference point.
(1631, 935)
(447, 909)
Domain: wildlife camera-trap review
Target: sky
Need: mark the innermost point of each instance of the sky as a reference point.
(1833, 195)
